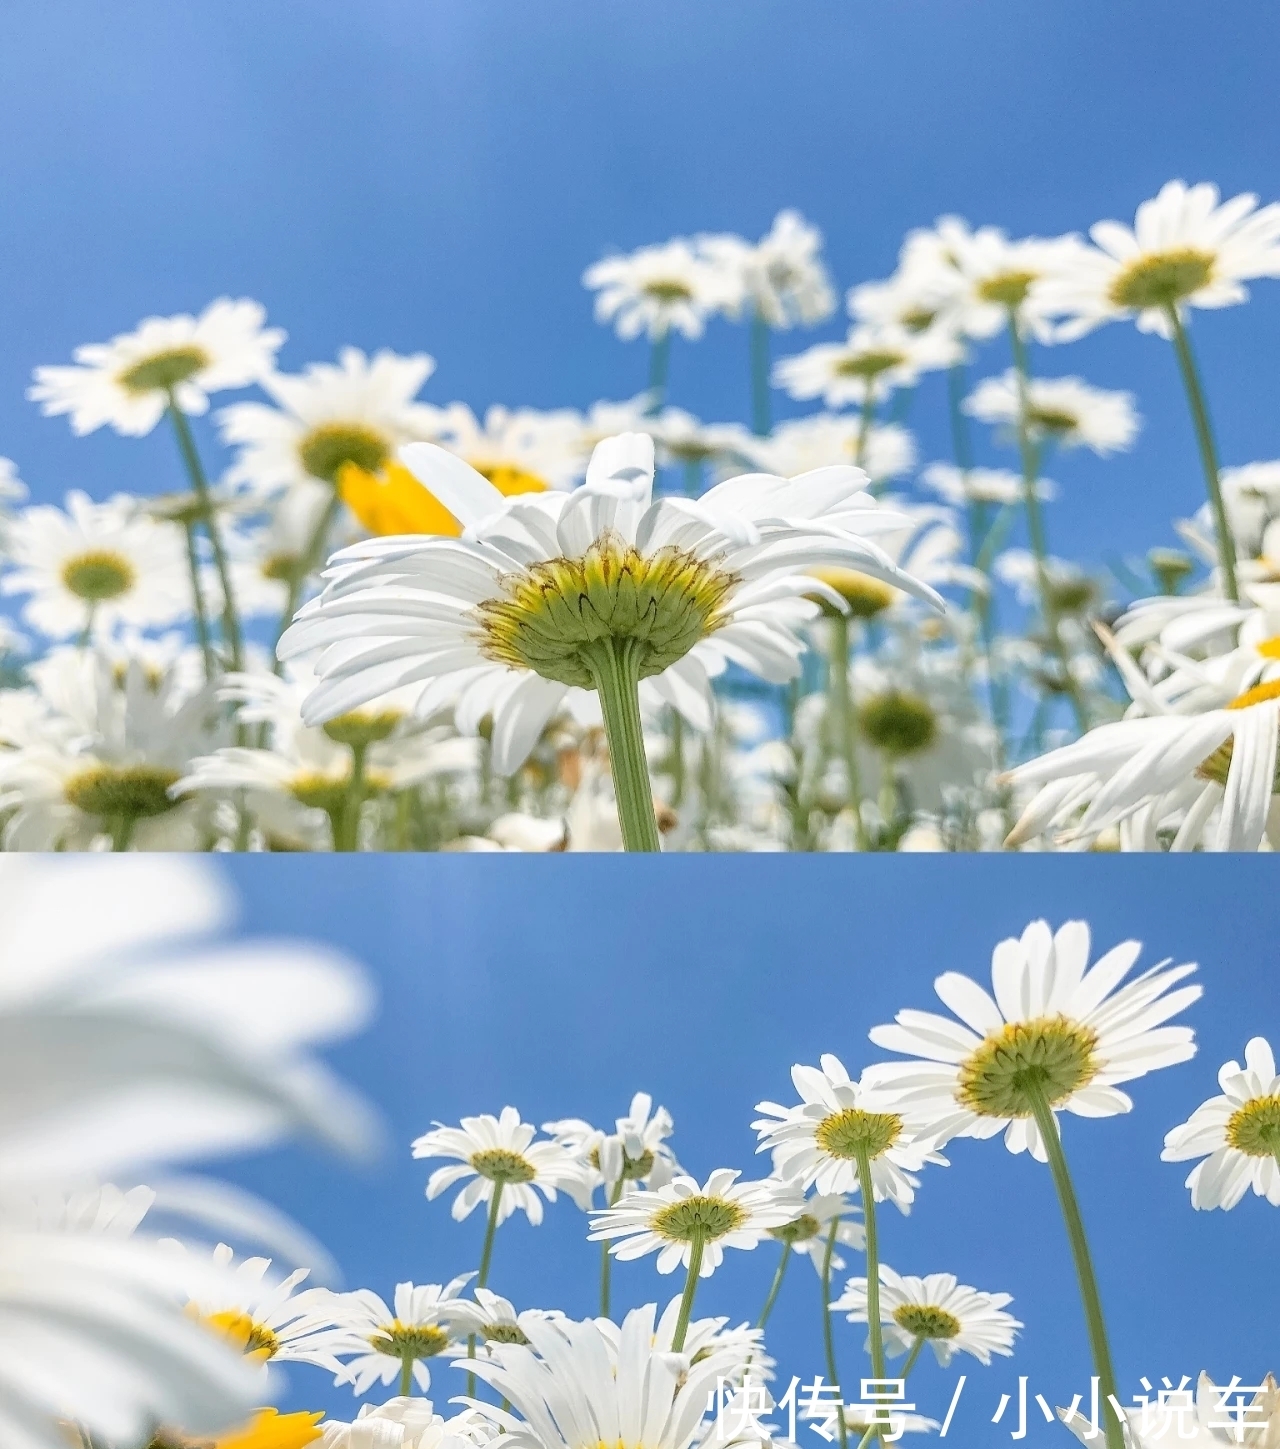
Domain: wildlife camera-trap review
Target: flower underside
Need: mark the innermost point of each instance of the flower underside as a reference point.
(919, 319)
(865, 596)
(163, 370)
(667, 291)
(409, 1341)
(503, 1333)
(633, 1168)
(1161, 279)
(704, 1218)
(924, 1320)
(326, 448)
(329, 792)
(1053, 420)
(869, 364)
(499, 1165)
(363, 727)
(134, 792)
(898, 723)
(852, 1132)
(252, 1338)
(552, 617)
(1254, 1129)
(98, 575)
(1049, 1057)
(804, 1228)
(1006, 289)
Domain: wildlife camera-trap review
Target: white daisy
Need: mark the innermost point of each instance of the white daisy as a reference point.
(920, 294)
(518, 450)
(657, 290)
(738, 1351)
(809, 1232)
(1058, 1036)
(499, 1154)
(821, 1142)
(682, 441)
(405, 1423)
(1183, 250)
(96, 566)
(823, 439)
(1237, 1134)
(493, 1319)
(944, 1313)
(635, 1151)
(961, 486)
(1062, 410)
(128, 381)
(868, 365)
(781, 278)
(682, 1220)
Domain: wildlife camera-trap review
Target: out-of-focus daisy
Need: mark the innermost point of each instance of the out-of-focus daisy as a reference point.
(961, 486)
(800, 445)
(492, 1319)
(128, 381)
(869, 364)
(1237, 1134)
(405, 1423)
(1062, 410)
(781, 278)
(500, 1156)
(95, 566)
(518, 450)
(809, 1232)
(682, 441)
(1059, 1035)
(656, 290)
(1000, 279)
(936, 1310)
(635, 1151)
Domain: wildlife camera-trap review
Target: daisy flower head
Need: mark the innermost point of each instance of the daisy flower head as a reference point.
(518, 450)
(738, 1351)
(948, 1316)
(493, 1319)
(823, 440)
(1062, 410)
(1236, 1135)
(1058, 1035)
(681, 440)
(1185, 249)
(919, 295)
(406, 1422)
(96, 564)
(379, 1345)
(636, 1151)
(809, 1232)
(781, 278)
(961, 486)
(657, 290)
(869, 364)
(676, 1220)
(1001, 280)
(837, 1126)
(129, 382)
(499, 1155)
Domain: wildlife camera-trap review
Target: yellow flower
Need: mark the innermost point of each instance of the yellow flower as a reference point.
(270, 1429)
(392, 501)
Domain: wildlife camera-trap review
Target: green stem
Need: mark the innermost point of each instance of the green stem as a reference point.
(775, 1286)
(197, 601)
(690, 1288)
(1208, 450)
(355, 798)
(1089, 1296)
(866, 420)
(406, 1375)
(482, 1277)
(912, 1356)
(122, 831)
(843, 720)
(692, 472)
(874, 1327)
(828, 1334)
(761, 420)
(615, 669)
(306, 565)
(677, 759)
(86, 634)
(659, 367)
(195, 471)
(606, 1262)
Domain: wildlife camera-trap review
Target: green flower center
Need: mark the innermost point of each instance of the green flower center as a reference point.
(98, 575)
(1254, 1129)
(919, 319)
(326, 448)
(409, 1341)
(633, 1168)
(137, 792)
(852, 1131)
(503, 1333)
(922, 1320)
(363, 727)
(280, 566)
(802, 1230)
(1072, 595)
(667, 291)
(1007, 289)
(164, 370)
(499, 1165)
(1053, 420)
(869, 364)
(703, 1218)
(898, 723)
(1051, 1056)
(552, 617)
(1162, 279)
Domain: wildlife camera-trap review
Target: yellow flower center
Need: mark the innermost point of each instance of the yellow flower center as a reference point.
(136, 792)
(268, 1429)
(898, 723)
(392, 501)
(865, 596)
(1254, 1129)
(1049, 1056)
(1259, 694)
(409, 1340)
(667, 290)
(554, 615)
(1006, 289)
(869, 364)
(1161, 279)
(325, 449)
(98, 575)
(329, 792)
(918, 319)
(923, 1320)
(1270, 648)
(703, 1218)
(851, 1132)
(500, 1165)
(253, 1339)
(1053, 420)
(280, 566)
(503, 1333)
(163, 370)
(802, 1230)
(363, 727)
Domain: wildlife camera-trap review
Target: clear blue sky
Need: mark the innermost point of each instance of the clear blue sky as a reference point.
(562, 991)
(435, 174)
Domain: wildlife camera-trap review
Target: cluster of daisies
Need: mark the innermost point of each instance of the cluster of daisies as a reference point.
(381, 622)
(1050, 1044)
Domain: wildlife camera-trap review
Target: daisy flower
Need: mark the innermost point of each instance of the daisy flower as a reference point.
(838, 1123)
(691, 1225)
(1063, 410)
(597, 589)
(380, 1345)
(738, 1351)
(518, 450)
(781, 279)
(920, 293)
(1237, 1134)
(493, 1319)
(635, 1151)
(962, 486)
(1058, 1036)
(682, 441)
(867, 366)
(129, 382)
(95, 566)
(500, 1157)
(405, 1423)
(935, 1310)
(809, 1232)
(822, 440)
(657, 290)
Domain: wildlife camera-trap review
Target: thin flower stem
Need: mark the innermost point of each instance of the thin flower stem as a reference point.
(761, 419)
(775, 1286)
(875, 1329)
(844, 724)
(306, 565)
(911, 1357)
(866, 421)
(659, 367)
(197, 601)
(482, 1276)
(692, 473)
(1089, 1296)
(828, 1334)
(1208, 450)
(690, 1288)
(355, 798)
(86, 634)
(614, 666)
(122, 832)
(606, 1262)
(406, 1375)
(195, 471)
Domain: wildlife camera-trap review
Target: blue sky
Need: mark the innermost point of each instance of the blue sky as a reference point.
(436, 174)
(702, 981)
